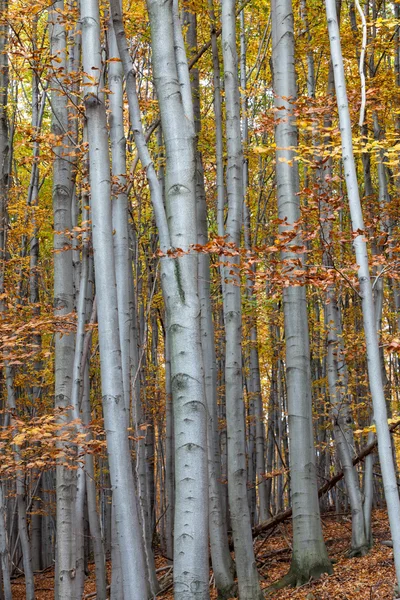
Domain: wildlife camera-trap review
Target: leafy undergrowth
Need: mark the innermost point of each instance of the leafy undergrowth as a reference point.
(366, 578)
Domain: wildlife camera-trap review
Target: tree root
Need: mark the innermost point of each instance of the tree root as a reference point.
(358, 552)
(298, 577)
(228, 592)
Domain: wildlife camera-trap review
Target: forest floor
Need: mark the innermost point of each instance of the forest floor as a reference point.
(364, 578)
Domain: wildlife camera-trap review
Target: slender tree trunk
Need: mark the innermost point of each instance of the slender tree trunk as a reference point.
(249, 587)
(365, 288)
(219, 146)
(123, 269)
(369, 491)
(310, 558)
(63, 298)
(4, 556)
(23, 534)
(77, 384)
(336, 362)
(169, 451)
(91, 494)
(220, 555)
(126, 510)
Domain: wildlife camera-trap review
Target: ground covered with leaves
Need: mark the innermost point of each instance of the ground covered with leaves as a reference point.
(364, 578)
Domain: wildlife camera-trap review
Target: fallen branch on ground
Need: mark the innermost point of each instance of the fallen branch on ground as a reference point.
(286, 514)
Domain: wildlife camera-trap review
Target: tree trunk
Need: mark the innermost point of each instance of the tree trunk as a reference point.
(4, 556)
(63, 298)
(115, 418)
(220, 556)
(179, 281)
(249, 587)
(310, 558)
(365, 288)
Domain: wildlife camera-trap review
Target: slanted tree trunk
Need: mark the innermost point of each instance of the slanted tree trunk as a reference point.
(309, 558)
(115, 418)
(336, 362)
(123, 271)
(365, 288)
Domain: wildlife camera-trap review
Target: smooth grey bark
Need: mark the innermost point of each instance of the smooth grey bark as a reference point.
(23, 534)
(365, 289)
(77, 383)
(249, 587)
(81, 386)
(149, 505)
(154, 185)
(336, 362)
(123, 270)
(120, 208)
(219, 147)
(74, 39)
(260, 427)
(126, 510)
(169, 452)
(179, 281)
(219, 144)
(309, 558)
(178, 276)
(91, 492)
(222, 564)
(251, 434)
(257, 455)
(94, 522)
(156, 191)
(269, 463)
(150, 429)
(37, 541)
(369, 491)
(4, 556)
(63, 297)
(342, 425)
(384, 227)
(116, 589)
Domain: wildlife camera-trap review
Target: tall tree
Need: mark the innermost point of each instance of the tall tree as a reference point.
(309, 558)
(63, 294)
(179, 281)
(221, 559)
(365, 288)
(114, 408)
(249, 587)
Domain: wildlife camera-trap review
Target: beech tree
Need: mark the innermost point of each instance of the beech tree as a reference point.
(199, 298)
(115, 414)
(310, 557)
(366, 291)
(63, 294)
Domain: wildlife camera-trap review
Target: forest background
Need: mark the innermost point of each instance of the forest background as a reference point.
(199, 288)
